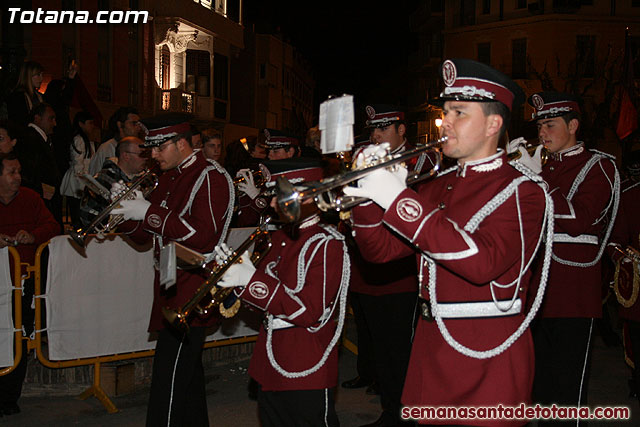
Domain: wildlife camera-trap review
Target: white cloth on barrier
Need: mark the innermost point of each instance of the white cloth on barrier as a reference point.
(6, 316)
(99, 304)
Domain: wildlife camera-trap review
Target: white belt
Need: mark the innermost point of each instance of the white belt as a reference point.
(463, 310)
(279, 324)
(583, 238)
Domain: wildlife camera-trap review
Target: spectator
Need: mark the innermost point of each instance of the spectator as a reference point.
(81, 151)
(25, 223)
(25, 97)
(212, 145)
(7, 137)
(39, 169)
(59, 94)
(124, 122)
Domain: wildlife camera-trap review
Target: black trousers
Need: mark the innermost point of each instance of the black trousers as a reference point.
(178, 395)
(390, 320)
(562, 347)
(297, 408)
(366, 364)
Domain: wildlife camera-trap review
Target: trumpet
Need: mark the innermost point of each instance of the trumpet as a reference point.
(290, 197)
(531, 149)
(147, 182)
(209, 295)
(260, 177)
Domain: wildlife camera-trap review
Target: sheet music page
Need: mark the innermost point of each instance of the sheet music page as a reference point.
(336, 123)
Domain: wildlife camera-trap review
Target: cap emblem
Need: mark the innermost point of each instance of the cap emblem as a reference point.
(371, 113)
(537, 102)
(449, 72)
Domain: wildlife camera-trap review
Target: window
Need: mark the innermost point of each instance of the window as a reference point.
(165, 64)
(198, 72)
(484, 53)
(220, 85)
(486, 7)
(519, 59)
(585, 55)
(521, 4)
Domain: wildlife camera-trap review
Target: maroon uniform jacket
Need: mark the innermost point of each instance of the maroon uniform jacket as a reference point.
(465, 245)
(301, 298)
(580, 226)
(191, 206)
(27, 212)
(627, 233)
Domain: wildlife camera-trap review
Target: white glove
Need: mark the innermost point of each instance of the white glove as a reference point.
(382, 186)
(135, 209)
(248, 186)
(532, 162)
(513, 145)
(370, 154)
(239, 273)
(117, 188)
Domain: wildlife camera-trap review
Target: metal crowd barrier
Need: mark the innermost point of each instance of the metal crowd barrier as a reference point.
(40, 341)
(17, 313)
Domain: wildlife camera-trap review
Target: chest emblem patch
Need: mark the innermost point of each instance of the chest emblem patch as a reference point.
(154, 220)
(261, 203)
(258, 290)
(409, 210)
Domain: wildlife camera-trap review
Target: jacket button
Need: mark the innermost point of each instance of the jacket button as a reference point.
(551, 168)
(441, 205)
(449, 187)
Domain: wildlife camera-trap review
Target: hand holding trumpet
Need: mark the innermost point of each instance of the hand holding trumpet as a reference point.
(382, 185)
(247, 184)
(239, 273)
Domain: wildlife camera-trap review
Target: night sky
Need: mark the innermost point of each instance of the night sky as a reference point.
(355, 47)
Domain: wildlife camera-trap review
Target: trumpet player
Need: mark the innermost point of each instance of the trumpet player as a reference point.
(585, 188)
(625, 241)
(25, 222)
(130, 161)
(474, 231)
(192, 204)
(301, 285)
(383, 296)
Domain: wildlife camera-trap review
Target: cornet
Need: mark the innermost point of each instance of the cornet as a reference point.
(531, 149)
(290, 197)
(146, 183)
(209, 295)
(260, 177)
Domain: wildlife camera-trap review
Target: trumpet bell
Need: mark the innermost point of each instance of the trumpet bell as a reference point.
(288, 200)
